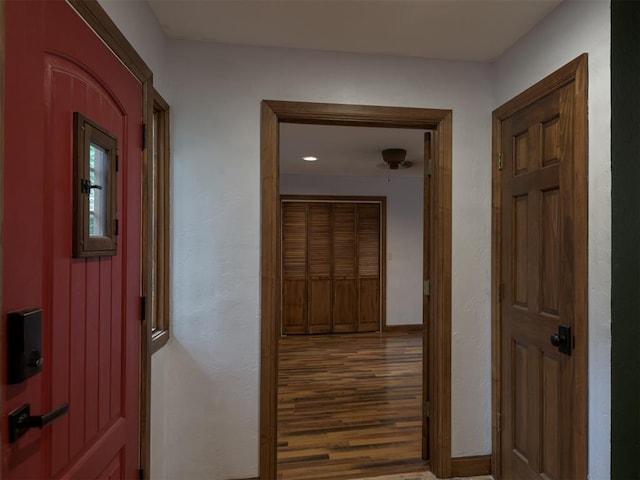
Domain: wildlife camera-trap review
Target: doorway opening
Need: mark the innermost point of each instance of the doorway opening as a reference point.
(437, 252)
(350, 358)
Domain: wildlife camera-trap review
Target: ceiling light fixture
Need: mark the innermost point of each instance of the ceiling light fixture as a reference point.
(310, 159)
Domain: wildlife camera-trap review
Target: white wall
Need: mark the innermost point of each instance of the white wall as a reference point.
(404, 232)
(206, 380)
(213, 369)
(572, 29)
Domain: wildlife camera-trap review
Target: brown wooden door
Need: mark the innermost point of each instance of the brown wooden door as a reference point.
(294, 268)
(320, 218)
(368, 225)
(56, 65)
(331, 267)
(540, 261)
(345, 269)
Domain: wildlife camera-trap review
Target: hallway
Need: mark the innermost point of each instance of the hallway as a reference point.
(349, 406)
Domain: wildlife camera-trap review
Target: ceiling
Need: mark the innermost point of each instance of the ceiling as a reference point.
(347, 150)
(473, 30)
(468, 30)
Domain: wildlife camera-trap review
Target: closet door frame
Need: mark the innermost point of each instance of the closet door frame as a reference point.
(379, 200)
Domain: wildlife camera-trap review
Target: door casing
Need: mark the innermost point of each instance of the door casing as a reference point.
(575, 71)
(438, 346)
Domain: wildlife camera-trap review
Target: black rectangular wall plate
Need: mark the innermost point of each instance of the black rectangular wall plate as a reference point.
(24, 344)
(565, 332)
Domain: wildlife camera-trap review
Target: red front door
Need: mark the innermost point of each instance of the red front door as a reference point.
(55, 66)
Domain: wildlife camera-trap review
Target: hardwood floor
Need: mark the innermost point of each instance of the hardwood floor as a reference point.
(349, 406)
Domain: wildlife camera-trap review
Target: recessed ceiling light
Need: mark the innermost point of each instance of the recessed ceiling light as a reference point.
(309, 159)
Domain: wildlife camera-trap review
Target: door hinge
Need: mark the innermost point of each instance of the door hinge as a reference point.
(426, 409)
(426, 287)
(429, 168)
(141, 474)
(117, 162)
(499, 422)
(500, 292)
(143, 309)
(500, 161)
(144, 136)
(116, 227)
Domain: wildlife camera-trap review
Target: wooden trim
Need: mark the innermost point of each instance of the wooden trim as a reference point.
(408, 328)
(427, 155)
(356, 115)
(158, 340)
(160, 293)
(496, 269)
(471, 466)
(383, 264)
(554, 81)
(579, 406)
(575, 71)
(2, 121)
(274, 112)
(148, 279)
(95, 16)
(333, 198)
(270, 274)
(440, 301)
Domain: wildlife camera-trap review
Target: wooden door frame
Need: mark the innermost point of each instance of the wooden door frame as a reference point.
(439, 354)
(575, 71)
(2, 122)
(98, 20)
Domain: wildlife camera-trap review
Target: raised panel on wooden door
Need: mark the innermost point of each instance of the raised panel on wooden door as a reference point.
(294, 268)
(319, 244)
(369, 267)
(369, 305)
(294, 306)
(538, 288)
(345, 286)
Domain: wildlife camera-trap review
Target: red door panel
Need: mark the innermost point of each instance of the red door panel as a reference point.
(55, 66)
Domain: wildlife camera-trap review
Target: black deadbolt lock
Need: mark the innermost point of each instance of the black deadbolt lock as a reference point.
(24, 345)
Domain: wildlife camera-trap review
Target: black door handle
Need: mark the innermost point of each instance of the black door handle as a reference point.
(21, 420)
(557, 340)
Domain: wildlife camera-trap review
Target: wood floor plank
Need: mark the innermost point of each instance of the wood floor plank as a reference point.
(349, 406)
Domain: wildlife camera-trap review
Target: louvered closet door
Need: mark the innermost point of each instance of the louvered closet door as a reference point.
(369, 267)
(345, 280)
(294, 268)
(319, 260)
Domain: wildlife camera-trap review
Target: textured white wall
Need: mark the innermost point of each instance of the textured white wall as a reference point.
(573, 28)
(404, 232)
(213, 369)
(206, 380)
